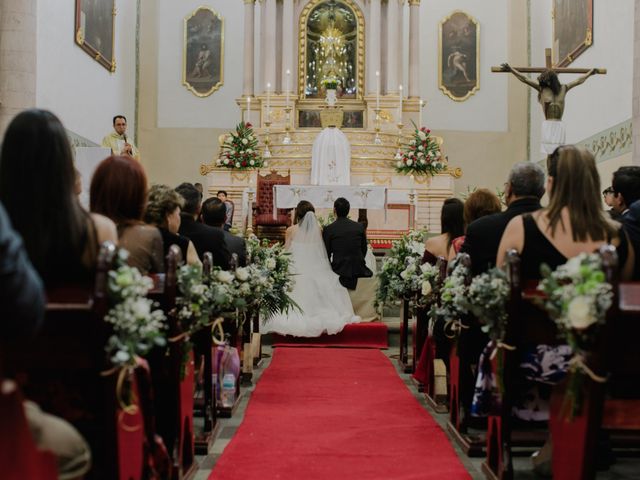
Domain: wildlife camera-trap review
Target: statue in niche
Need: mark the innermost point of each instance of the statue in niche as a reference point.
(331, 49)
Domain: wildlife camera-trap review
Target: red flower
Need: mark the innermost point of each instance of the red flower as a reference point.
(249, 125)
(428, 131)
(244, 163)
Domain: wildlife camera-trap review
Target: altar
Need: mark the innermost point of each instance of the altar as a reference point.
(327, 85)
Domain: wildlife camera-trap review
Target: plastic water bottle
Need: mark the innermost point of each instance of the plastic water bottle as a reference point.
(228, 396)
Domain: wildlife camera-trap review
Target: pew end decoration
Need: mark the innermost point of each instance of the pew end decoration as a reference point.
(422, 156)
(453, 296)
(138, 325)
(577, 297)
(240, 149)
(487, 298)
(402, 275)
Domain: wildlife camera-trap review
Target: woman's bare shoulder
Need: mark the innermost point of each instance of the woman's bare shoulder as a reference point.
(105, 228)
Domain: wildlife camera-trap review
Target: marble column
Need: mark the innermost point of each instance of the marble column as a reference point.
(270, 45)
(287, 46)
(636, 85)
(393, 44)
(414, 48)
(374, 45)
(18, 53)
(248, 53)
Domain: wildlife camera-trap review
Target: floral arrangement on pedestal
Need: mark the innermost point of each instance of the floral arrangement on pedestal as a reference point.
(422, 156)
(577, 297)
(138, 325)
(401, 274)
(240, 150)
(330, 85)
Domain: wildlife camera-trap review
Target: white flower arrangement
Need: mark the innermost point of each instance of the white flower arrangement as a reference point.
(453, 294)
(487, 297)
(137, 325)
(401, 274)
(577, 298)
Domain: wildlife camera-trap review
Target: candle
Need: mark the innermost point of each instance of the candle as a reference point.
(377, 90)
(420, 109)
(288, 85)
(400, 108)
(248, 110)
(412, 180)
(268, 102)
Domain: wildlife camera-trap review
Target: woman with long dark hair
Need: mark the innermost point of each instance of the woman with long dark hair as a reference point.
(37, 180)
(451, 227)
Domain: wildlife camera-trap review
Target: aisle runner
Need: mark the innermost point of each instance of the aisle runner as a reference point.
(356, 335)
(329, 414)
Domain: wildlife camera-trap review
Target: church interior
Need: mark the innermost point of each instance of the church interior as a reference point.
(161, 163)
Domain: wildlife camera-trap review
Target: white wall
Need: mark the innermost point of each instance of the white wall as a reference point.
(83, 93)
(604, 100)
(178, 107)
(486, 110)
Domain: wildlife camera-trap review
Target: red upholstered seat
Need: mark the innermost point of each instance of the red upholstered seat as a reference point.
(263, 207)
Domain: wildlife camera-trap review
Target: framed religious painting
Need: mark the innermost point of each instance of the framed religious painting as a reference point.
(203, 55)
(459, 56)
(572, 29)
(95, 30)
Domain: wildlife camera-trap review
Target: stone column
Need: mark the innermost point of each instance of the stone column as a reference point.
(18, 53)
(288, 39)
(393, 44)
(270, 45)
(248, 53)
(636, 85)
(414, 48)
(374, 44)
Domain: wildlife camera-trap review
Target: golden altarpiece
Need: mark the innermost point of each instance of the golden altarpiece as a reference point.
(309, 47)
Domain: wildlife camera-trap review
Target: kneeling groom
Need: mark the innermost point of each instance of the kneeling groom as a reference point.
(346, 244)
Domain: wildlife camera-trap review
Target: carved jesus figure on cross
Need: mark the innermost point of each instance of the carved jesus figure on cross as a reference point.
(551, 95)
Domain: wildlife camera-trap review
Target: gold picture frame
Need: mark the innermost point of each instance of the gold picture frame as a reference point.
(95, 30)
(572, 29)
(302, 46)
(203, 52)
(459, 56)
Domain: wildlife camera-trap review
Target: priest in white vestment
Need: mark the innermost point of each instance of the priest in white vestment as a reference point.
(331, 158)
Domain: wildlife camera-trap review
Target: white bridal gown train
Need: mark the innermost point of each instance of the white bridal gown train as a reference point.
(325, 306)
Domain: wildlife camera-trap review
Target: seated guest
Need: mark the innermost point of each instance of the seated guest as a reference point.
(228, 220)
(62, 239)
(163, 211)
(626, 189)
(119, 191)
(213, 214)
(204, 237)
(523, 192)
(610, 201)
(118, 141)
(574, 222)
(451, 226)
(479, 203)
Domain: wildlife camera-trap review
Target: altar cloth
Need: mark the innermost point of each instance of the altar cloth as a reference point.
(323, 196)
(331, 158)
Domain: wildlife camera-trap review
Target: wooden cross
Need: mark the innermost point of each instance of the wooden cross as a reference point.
(549, 66)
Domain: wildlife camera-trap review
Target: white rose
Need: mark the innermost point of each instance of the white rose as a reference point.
(224, 277)
(218, 162)
(399, 163)
(245, 141)
(422, 161)
(572, 267)
(421, 154)
(237, 164)
(141, 308)
(426, 288)
(226, 161)
(242, 274)
(249, 150)
(420, 147)
(270, 263)
(579, 313)
(409, 162)
(252, 163)
(422, 135)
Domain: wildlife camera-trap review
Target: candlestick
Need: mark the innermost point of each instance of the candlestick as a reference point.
(248, 119)
(420, 117)
(268, 112)
(412, 180)
(400, 108)
(377, 90)
(288, 85)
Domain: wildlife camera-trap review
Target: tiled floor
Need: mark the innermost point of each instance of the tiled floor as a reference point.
(624, 469)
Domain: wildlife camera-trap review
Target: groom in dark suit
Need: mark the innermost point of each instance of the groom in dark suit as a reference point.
(346, 244)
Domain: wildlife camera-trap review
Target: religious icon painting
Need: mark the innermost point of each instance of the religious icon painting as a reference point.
(459, 56)
(203, 55)
(95, 30)
(572, 29)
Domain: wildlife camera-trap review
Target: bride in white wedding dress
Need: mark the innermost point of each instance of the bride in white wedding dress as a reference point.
(325, 306)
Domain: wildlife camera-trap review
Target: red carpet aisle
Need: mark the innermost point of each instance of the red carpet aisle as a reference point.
(330, 414)
(360, 335)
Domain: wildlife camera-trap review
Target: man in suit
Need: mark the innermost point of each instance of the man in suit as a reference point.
(346, 244)
(523, 192)
(204, 237)
(213, 214)
(626, 190)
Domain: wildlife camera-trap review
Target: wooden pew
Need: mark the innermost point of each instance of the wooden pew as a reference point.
(172, 373)
(614, 405)
(462, 379)
(63, 369)
(19, 457)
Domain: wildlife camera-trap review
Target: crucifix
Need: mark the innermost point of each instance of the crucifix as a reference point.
(551, 95)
